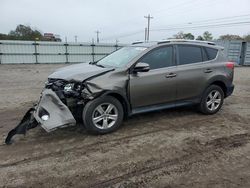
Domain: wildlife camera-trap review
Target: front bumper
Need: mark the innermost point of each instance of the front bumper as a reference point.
(57, 112)
(49, 105)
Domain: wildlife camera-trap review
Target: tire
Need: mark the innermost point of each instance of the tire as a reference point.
(103, 115)
(212, 100)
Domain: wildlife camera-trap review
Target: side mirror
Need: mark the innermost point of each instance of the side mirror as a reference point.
(141, 67)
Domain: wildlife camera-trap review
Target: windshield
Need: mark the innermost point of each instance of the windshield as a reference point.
(121, 57)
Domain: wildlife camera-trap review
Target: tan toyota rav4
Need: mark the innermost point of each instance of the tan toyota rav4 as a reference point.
(138, 78)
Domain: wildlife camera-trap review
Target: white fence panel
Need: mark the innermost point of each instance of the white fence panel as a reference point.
(79, 49)
(51, 58)
(17, 48)
(50, 49)
(17, 59)
(80, 58)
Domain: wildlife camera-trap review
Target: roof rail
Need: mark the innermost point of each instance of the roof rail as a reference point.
(184, 40)
(139, 42)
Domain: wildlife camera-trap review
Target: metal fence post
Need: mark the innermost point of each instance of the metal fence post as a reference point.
(116, 47)
(35, 45)
(1, 53)
(93, 52)
(66, 52)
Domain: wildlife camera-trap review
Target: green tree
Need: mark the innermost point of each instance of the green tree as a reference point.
(199, 38)
(230, 37)
(23, 32)
(247, 38)
(188, 36)
(182, 35)
(3, 36)
(207, 36)
(179, 35)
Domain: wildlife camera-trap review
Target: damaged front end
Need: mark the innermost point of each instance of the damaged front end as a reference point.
(60, 104)
(66, 93)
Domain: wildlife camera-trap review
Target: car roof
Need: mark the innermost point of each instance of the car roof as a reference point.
(176, 41)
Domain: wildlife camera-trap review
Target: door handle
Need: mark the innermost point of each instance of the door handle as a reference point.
(208, 71)
(171, 75)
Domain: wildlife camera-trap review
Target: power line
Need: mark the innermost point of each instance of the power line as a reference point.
(184, 25)
(223, 18)
(202, 26)
(194, 23)
(234, 24)
(222, 24)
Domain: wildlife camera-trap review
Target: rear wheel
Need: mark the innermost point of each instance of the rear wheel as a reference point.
(103, 115)
(212, 100)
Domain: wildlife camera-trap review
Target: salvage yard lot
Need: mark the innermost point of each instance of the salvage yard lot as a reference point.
(169, 148)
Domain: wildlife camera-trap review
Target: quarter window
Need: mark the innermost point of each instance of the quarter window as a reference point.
(159, 58)
(189, 54)
(211, 53)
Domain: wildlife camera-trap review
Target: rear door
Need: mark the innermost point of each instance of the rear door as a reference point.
(157, 85)
(191, 71)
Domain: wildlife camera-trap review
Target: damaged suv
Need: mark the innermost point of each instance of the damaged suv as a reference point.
(138, 78)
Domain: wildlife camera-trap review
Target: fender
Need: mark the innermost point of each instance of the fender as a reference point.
(220, 78)
(122, 95)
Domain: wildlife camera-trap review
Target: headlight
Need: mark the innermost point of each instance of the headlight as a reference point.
(69, 87)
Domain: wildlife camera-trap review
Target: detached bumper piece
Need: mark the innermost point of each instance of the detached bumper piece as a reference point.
(52, 113)
(28, 122)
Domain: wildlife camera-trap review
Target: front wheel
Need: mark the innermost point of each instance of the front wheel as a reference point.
(103, 115)
(212, 100)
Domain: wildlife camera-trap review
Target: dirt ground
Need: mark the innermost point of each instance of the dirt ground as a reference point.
(170, 148)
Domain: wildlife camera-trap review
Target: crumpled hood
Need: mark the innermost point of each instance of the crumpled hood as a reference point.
(78, 72)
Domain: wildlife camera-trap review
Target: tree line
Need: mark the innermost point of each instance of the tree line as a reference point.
(207, 36)
(23, 32)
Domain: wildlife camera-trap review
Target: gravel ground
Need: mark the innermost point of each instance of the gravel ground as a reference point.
(169, 148)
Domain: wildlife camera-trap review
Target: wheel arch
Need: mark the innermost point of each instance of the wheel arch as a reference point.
(122, 99)
(220, 81)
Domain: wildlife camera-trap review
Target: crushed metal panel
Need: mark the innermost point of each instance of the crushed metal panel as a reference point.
(58, 113)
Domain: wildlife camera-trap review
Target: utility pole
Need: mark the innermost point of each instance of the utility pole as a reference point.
(97, 36)
(75, 38)
(148, 17)
(146, 30)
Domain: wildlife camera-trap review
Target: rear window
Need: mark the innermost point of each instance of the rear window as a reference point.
(189, 54)
(211, 53)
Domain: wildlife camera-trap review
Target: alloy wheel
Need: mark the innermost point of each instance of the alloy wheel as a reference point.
(105, 116)
(213, 100)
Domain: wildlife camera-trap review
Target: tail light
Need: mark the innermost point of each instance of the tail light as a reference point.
(230, 65)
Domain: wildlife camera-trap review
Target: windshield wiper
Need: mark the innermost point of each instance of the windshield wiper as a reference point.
(99, 65)
(95, 63)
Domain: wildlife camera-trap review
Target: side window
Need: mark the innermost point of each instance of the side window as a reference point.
(159, 58)
(211, 53)
(189, 54)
